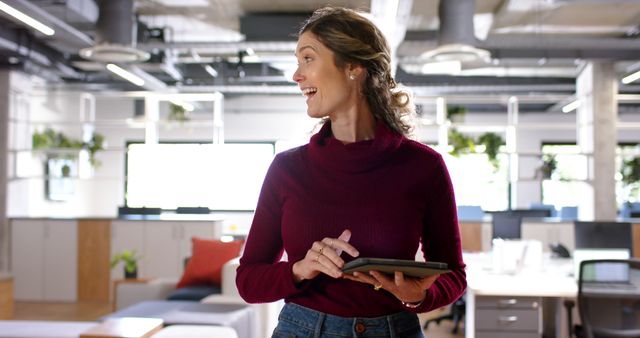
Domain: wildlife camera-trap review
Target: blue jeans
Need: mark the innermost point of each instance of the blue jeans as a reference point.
(298, 321)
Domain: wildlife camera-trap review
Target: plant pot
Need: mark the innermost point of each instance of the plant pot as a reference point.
(131, 275)
(66, 170)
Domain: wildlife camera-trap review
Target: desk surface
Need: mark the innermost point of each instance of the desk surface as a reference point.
(555, 279)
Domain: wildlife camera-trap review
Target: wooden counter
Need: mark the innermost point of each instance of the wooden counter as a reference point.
(6, 296)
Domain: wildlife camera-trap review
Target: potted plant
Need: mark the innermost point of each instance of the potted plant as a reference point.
(461, 143)
(51, 139)
(178, 113)
(456, 113)
(130, 259)
(492, 143)
(631, 174)
(549, 164)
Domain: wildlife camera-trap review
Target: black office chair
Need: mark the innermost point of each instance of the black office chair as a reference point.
(506, 225)
(456, 313)
(608, 299)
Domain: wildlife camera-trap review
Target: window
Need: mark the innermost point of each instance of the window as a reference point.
(626, 193)
(483, 185)
(220, 177)
(568, 179)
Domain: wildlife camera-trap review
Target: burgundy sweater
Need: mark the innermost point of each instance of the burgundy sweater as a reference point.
(391, 192)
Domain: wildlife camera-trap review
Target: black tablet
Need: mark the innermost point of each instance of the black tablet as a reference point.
(385, 265)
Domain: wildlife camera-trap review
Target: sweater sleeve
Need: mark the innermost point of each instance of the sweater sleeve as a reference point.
(441, 241)
(261, 276)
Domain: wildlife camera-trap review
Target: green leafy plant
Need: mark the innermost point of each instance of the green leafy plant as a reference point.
(492, 143)
(178, 113)
(130, 259)
(462, 144)
(549, 165)
(456, 113)
(50, 138)
(631, 174)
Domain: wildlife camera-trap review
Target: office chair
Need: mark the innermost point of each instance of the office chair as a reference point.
(608, 299)
(456, 313)
(506, 225)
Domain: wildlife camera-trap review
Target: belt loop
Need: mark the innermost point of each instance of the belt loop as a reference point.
(319, 324)
(390, 323)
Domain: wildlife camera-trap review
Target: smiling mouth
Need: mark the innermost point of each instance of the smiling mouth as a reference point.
(309, 92)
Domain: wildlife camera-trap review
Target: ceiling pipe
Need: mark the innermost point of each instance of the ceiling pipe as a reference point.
(115, 34)
(456, 38)
(456, 22)
(116, 23)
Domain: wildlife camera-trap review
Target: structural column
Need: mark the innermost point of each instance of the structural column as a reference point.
(4, 165)
(596, 118)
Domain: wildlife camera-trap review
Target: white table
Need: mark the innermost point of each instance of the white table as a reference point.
(554, 282)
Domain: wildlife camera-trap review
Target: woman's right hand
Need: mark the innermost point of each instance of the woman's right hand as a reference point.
(324, 257)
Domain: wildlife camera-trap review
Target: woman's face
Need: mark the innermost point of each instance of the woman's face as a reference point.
(327, 88)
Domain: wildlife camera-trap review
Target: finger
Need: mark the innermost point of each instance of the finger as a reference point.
(362, 278)
(325, 265)
(340, 244)
(428, 281)
(398, 278)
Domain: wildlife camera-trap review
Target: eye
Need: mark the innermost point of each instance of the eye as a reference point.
(307, 59)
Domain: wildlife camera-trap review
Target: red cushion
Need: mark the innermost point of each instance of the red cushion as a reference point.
(207, 258)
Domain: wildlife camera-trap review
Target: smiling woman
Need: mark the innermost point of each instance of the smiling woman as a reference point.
(359, 188)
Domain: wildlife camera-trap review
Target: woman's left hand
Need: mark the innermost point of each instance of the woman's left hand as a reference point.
(406, 289)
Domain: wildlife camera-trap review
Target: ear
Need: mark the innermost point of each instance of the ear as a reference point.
(355, 69)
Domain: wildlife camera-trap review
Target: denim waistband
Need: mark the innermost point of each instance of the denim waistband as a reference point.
(322, 324)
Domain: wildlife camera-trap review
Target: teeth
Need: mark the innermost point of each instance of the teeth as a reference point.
(307, 91)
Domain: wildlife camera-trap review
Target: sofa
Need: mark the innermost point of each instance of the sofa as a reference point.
(128, 294)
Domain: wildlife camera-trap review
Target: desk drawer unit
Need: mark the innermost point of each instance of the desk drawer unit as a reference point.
(514, 317)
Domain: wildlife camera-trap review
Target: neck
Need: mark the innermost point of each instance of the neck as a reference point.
(356, 124)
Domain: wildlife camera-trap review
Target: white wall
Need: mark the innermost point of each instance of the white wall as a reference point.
(246, 118)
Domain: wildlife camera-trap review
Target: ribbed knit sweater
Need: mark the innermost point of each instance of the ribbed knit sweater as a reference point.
(391, 192)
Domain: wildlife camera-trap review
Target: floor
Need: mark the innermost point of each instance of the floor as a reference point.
(89, 311)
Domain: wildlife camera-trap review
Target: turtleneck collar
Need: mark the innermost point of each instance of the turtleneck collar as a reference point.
(361, 156)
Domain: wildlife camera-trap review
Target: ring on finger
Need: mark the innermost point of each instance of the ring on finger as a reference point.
(322, 248)
(377, 287)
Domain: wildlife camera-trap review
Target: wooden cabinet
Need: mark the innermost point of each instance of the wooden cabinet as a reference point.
(6, 296)
(168, 243)
(44, 259)
(518, 317)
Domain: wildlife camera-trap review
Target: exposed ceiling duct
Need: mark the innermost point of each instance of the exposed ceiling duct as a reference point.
(456, 40)
(115, 34)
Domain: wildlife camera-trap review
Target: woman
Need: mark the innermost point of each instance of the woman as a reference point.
(359, 188)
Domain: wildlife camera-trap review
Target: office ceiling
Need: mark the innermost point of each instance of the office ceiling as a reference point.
(246, 46)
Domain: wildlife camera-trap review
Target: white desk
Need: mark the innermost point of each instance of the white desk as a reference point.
(552, 285)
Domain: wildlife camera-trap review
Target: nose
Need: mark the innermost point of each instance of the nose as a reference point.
(297, 77)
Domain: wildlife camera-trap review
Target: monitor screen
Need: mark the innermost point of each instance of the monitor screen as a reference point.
(602, 235)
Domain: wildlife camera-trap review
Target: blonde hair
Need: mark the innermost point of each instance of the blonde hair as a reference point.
(354, 39)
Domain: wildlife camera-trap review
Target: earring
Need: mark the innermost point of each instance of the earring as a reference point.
(352, 77)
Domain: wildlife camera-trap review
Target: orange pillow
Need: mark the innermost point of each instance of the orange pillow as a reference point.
(207, 258)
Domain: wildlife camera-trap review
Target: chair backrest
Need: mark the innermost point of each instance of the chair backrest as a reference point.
(506, 225)
(609, 297)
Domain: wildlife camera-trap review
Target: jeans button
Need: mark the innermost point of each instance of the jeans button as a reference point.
(360, 328)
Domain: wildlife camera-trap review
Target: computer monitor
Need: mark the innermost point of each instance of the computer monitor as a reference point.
(506, 225)
(602, 235)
